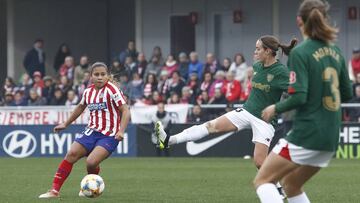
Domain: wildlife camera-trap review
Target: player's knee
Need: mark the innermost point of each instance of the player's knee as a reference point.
(71, 156)
(290, 188)
(210, 125)
(91, 163)
(258, 161)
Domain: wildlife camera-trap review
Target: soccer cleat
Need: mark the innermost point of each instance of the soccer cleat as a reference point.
(50, 194)
(162, 137)
(81, 194)
(281, 192)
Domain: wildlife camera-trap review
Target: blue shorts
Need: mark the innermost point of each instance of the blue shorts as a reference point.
(90, 139)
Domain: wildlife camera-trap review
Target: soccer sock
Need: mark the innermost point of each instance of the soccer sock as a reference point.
(302, 198)
(268, 193)
(95, 171)
(61, 174)
(193, 133)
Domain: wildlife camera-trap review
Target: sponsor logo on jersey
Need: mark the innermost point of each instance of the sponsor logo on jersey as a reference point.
(97, 106)
(196, 148)
(19, 144)
(269, 77)
(292, 77)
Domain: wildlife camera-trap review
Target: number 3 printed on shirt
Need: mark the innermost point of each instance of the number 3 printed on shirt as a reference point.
(331, 103)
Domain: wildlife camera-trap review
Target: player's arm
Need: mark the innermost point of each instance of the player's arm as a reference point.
(125, 117)
(346, 91)
(74, 115)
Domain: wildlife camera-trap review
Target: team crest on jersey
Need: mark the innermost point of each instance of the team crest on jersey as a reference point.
(97, 106)
(292, 77)
(269, 77)
(101, 95)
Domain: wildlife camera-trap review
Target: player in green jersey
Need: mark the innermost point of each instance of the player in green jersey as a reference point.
(269, 82)
(319, 82)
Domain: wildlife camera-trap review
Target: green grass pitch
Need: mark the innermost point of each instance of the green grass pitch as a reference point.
(168, 180)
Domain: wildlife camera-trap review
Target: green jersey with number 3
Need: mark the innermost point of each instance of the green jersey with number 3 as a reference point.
(318, 70)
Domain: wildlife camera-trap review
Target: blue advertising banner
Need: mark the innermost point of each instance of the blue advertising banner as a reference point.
(22, 141)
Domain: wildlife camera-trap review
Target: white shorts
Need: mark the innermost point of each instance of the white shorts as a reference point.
(302, 156)
(262, 132)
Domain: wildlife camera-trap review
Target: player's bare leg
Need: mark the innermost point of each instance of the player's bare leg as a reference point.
(76, 152)
(273, 169)
(196, 132)
(294, 181)
(93, 161)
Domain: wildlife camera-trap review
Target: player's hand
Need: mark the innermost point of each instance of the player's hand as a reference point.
(59, 128)
(268, 113)
(119, 136)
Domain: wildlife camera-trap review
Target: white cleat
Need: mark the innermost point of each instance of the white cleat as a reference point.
(50, 194)
(81, 194)
(161, 135)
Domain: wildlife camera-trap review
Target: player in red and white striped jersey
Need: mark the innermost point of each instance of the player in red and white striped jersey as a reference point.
(103, 132)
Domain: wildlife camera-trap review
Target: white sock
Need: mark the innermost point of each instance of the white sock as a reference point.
(268, 193)
(302, 198)
(193, 133)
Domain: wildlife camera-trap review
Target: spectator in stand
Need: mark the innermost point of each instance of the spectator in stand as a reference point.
(58, 99)
(38, 82)
(9, 85)
(9, 99)
(206, 84)
(81, 69)
(149, 86)
(174, 98)
(183, 66)
(141, 65)
(25, 85)
(194, 84)
(353, 113)
(85, 83)
(158, 54)
(49, 88)
(135, 88)
(19, 99)
(354, 64)
(226, 65)
(203, 98)
(211, 64)
(218, 82)
(65, 85)
(175, 84)
(195, 65)
(156, 98)
(239, 67)
(130, 51)
(163, 82)
(72, 98)
(218, 98)
(246, 87)
(197, 116)
(231, 88)
(67, 69)
(36, 99)
(186, 96)
(170, 64)
(60, 56)
(165, 119)
(153, 67)
(130, 64)
(124, 83)
(117, 69)
(35, 58)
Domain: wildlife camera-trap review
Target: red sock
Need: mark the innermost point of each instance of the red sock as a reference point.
(61, 174)
(96, 171)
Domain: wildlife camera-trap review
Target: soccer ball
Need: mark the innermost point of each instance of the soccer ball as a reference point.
(92, 185)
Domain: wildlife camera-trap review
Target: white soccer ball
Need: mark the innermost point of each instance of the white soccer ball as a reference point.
(92, 185)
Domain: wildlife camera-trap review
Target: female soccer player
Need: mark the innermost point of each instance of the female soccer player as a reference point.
(103, 132)
(270, 80)
(318, 83)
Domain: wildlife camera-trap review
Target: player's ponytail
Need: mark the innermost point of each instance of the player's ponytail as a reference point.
(287, 48)
(316, 25)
